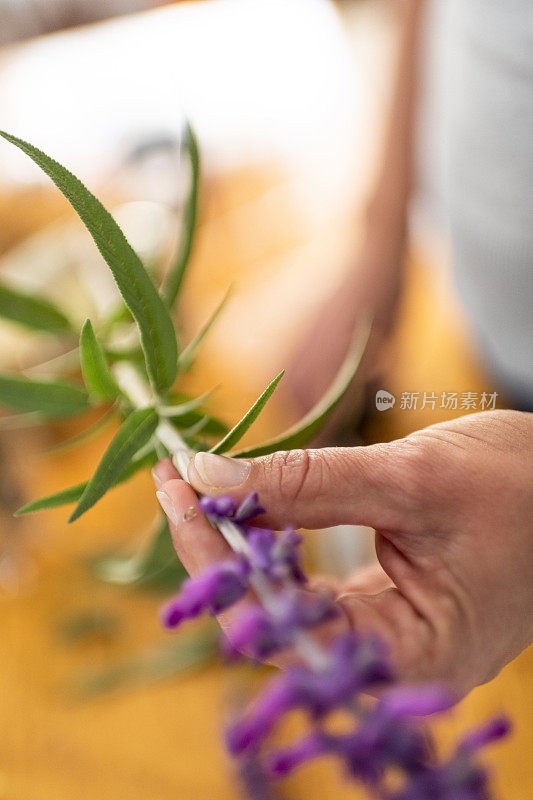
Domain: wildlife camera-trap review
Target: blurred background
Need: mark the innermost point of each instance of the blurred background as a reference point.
(289, 101)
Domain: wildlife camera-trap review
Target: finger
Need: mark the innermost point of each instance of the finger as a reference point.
(312, 488)
(368, 580)
(197, 543)
(164, 471)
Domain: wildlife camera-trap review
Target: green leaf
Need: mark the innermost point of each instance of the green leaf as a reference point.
(145, 458)
(84, 436)
(96, 373)
(50, 398)
(211, 426)
(187, 357)
(175, 656)
(32, 312)
(312, 423)
(74, 493)
(174, 278)
(157, 567)
(238, 431)
(135, 432)
(142, 298)
(181, 409)
(62, 498)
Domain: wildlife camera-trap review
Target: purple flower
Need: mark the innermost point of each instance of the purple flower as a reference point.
(460, 778)
(217, 588)
(218, 507)
(277, 556)
(259, 633)
(418, 701)
(261, 542)
(248, 509)
(226, 507)
(494, 729)
(248, 732)
(254, 778)
(355, 665)
(380, 741)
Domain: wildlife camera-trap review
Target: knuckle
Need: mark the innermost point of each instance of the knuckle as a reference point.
(297, 472)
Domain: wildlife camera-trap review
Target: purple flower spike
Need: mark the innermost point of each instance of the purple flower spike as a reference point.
(258, 634)
(286, 556)
(418, 701)
(356, 663)
(217, 588)
(218, 507)
(254, 634)
(493, 730)
(262, 542)
(278, 556)
(248, 509)
(381, 741)
(249, 732)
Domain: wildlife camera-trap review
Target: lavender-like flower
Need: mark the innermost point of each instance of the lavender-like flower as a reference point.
(219, 587)
(259, 633)
(384, 735)
(355, 665)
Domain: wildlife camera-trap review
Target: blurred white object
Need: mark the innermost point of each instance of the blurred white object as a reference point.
(258, 79)
(24, 18)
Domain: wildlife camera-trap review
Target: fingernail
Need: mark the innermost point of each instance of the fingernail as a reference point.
(168, 507)
(221, 472)
(157, 480)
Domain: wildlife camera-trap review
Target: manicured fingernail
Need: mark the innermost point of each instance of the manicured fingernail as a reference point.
(157, 480)
(221, 472)
(168, 507)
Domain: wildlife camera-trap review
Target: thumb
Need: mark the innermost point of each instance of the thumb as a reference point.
(311, 488)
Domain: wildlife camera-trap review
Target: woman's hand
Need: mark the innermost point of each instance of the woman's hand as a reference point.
(452, 506)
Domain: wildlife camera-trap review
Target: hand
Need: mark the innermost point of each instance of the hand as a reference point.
(452, 506)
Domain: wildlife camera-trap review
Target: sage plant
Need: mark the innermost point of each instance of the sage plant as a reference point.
(139, 385)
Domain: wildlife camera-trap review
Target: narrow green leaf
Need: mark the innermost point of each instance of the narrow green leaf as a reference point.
(50, 398)
(211, 426)
(74, 493)
(183, 408)
(62, 498)
(187, 357)
(238, 431)
(33, 312)
(176, 656)
(135, 432)
(142, 298)
(145, 458)
(174, 278)
(96, 373)
(156, 567)
(312, 423)
(84, 436)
